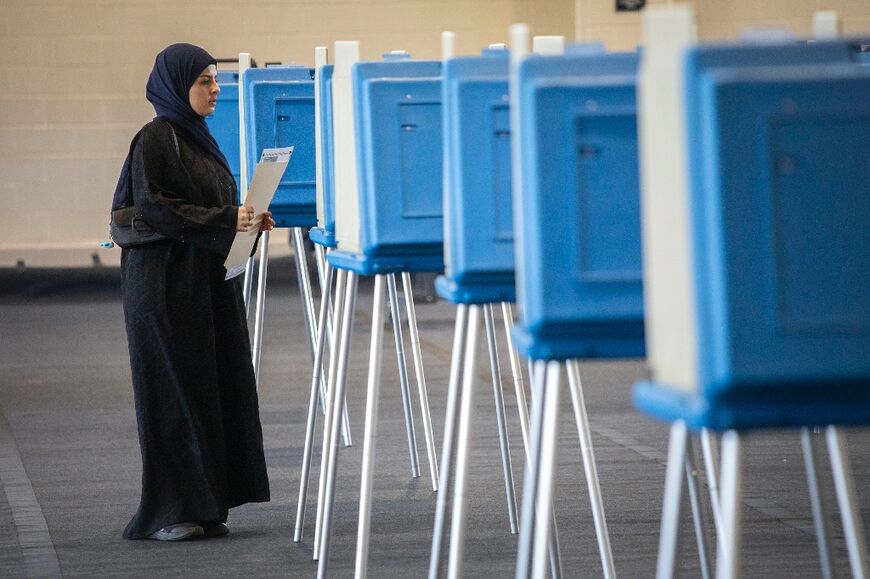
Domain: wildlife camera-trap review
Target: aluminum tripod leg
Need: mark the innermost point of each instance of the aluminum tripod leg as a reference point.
(308, 313)
(590, 468)
(457, 529)
(322, 267)
(845, 486)
(246, 288)
(517, 371)
(670, 527)
(728, 554)
(701, 537)
(335, 356)
(339, 397)
(523, 411)
(417, 353)
(405, 389)
(537, 372)
(547, 469)
(371, 430)
(449, 437)
(810, 445)
(503, 439)
(711, 466)
(261, 303)
(312, 409)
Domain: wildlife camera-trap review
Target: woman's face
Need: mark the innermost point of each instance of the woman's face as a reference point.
(203, 93)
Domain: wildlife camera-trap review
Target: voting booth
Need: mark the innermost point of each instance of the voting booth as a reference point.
(279, 112)
(478, 249)
(388, 221)
(224, 122)
(578, 255)
(391, 219)
(756, 256)
(578, 217)
(478, 221)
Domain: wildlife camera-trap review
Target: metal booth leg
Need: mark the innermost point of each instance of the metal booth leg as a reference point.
(403, 375)
(453, 388)
(335, 355)
(517, 371)
(670, 528)
(457, 529)
(698, 516)
(845, 485)
(261, 303)
(729, 551)
(322, 268)
(316, 380)
(548, 467)
(588, 453)
(337, 399)
(711, 466)
(503, 439)
(417, 353)
(371, 429)
(537, 372)
(810, 444)
(246, 287)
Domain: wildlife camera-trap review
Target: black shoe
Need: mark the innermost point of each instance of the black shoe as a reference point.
(215, 530)
(178, 532)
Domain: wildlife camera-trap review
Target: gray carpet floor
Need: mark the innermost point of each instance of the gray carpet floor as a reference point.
(70, 467)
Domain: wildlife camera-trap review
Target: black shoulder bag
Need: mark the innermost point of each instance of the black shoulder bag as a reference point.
(127, 226)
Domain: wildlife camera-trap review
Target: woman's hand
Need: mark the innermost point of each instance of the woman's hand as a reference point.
(266, 221)
(245, 219)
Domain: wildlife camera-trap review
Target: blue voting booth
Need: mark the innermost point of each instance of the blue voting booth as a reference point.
(279, 112)
(767, 154)
(397, 116)
(325, 235)
(224, 123)
(479, 236)
(388, 218)
(578, 219)
(778, 149)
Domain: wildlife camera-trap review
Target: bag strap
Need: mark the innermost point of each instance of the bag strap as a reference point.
(133, 146)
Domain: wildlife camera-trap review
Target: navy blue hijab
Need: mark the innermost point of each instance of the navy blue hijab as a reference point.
(175, 70)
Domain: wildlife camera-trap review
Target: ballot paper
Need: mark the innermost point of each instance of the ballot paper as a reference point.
(267, 176)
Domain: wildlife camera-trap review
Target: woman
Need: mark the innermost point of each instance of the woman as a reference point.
(190, 356)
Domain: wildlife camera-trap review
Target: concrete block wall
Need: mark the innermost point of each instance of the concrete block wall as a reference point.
(598, 20)
(72, 78)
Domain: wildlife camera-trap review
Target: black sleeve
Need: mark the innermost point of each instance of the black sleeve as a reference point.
(168, 198)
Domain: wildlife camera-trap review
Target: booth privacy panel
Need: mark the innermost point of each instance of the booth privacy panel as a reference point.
(397, 141)
(224, 122)
(779, 162)
(478, 225)
(580, 290)
(279, 111)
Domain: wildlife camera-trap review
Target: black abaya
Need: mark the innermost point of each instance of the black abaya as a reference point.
(190, 355)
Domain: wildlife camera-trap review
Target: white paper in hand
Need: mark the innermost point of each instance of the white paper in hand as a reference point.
(267, 176)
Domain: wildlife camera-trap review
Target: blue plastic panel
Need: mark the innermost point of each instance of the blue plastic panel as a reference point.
(477, 152)
(224, 123)
(779, 141)
(279, 112)
(397, 108)
(579, 271)
(326, 236)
